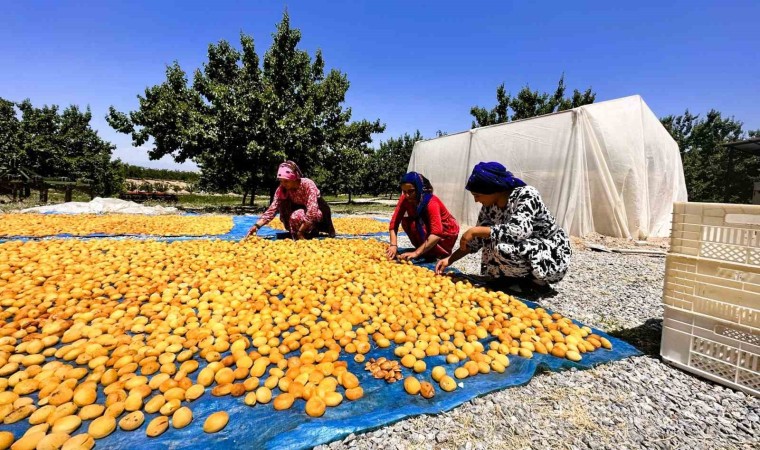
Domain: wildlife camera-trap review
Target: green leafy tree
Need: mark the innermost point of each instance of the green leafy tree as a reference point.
(713, 174)
(132, 171)
(40, 144)
(345, 171)
(240, 118)
(386, 165)
(85, 155)
(58, 144)
(10, 134)
(528, 103)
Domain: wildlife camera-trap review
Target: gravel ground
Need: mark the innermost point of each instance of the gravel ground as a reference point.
(640, 402)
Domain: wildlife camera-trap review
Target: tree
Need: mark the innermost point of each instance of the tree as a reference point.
(239, 119)
(712, 174)
(386, 165)
(528, 103)
(132, 171)
(10, 135)
(58, 144)
(347, 171)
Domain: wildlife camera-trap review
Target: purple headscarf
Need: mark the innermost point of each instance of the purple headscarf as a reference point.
(492, 177)
(423, 192)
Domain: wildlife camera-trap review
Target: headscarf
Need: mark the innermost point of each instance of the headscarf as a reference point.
(289, 171)
(492, 177)
(423, 192)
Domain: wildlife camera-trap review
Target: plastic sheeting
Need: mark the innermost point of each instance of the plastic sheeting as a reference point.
(608, 167)
(102, 206)
(263, 427)
(240, 227)
(260, 426)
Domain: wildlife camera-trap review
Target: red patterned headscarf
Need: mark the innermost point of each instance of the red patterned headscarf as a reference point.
(289, 171)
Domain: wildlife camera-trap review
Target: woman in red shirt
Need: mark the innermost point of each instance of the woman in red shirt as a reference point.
(303, 212)
(429, 225)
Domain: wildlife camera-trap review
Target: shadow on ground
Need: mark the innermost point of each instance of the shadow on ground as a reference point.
(645, 337)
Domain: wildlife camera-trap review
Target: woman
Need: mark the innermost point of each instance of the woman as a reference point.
(303, 212)
(518, 234)
(429, 225)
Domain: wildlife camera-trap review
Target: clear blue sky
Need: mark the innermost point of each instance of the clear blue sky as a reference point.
(412, 64)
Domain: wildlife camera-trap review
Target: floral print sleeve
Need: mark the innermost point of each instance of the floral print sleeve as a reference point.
(313, 214)
(398, 214)
(523, 212)
(273, 208)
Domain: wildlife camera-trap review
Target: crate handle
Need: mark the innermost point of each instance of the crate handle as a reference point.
(739, 335)
(743, 219)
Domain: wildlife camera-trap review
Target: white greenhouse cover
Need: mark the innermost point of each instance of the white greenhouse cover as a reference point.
(608, 167)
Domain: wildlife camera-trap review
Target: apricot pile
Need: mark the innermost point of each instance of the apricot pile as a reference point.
(346, 225)
(152, 327)
(39, 225)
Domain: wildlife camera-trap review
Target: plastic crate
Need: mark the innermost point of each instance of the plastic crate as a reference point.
(717, 231)
(711, 324)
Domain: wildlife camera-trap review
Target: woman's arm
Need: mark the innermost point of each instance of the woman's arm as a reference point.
(473, 233)
(271, 211)
(312, 206)
(266, 217)
(458, 254)
(392, 249)
(435, 230)
(398, 213)
(426, 246)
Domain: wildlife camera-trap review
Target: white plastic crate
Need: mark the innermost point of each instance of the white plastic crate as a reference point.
(711, 324)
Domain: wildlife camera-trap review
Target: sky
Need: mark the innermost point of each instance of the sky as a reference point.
(414, 65)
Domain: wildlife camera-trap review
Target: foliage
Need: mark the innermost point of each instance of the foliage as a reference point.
(10, 134)
(386, 165)
(57, 144)
(709, 176)
(239, 119)
(132, 171)
(528, 103)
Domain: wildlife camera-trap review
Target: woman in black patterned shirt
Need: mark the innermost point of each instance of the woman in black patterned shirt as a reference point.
(518, 234)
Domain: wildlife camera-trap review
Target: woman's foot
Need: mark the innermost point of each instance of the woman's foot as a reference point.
(525, 287)
(541, 288)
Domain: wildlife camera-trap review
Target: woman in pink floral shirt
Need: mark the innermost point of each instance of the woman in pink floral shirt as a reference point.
(303, 212)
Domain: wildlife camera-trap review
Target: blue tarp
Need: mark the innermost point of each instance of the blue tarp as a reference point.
(240, 226)
(263, 427)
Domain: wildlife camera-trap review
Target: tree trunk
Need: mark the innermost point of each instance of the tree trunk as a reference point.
(245, 195)
(349, 197)
(272, 190)
(254, 186)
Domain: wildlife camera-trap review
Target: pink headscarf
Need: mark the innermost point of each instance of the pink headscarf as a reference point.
(289, 171)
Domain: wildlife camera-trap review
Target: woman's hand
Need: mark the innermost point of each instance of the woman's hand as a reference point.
(302, 232)
(252, 232)
(391, 251)
(408, 256)
(441, 265)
